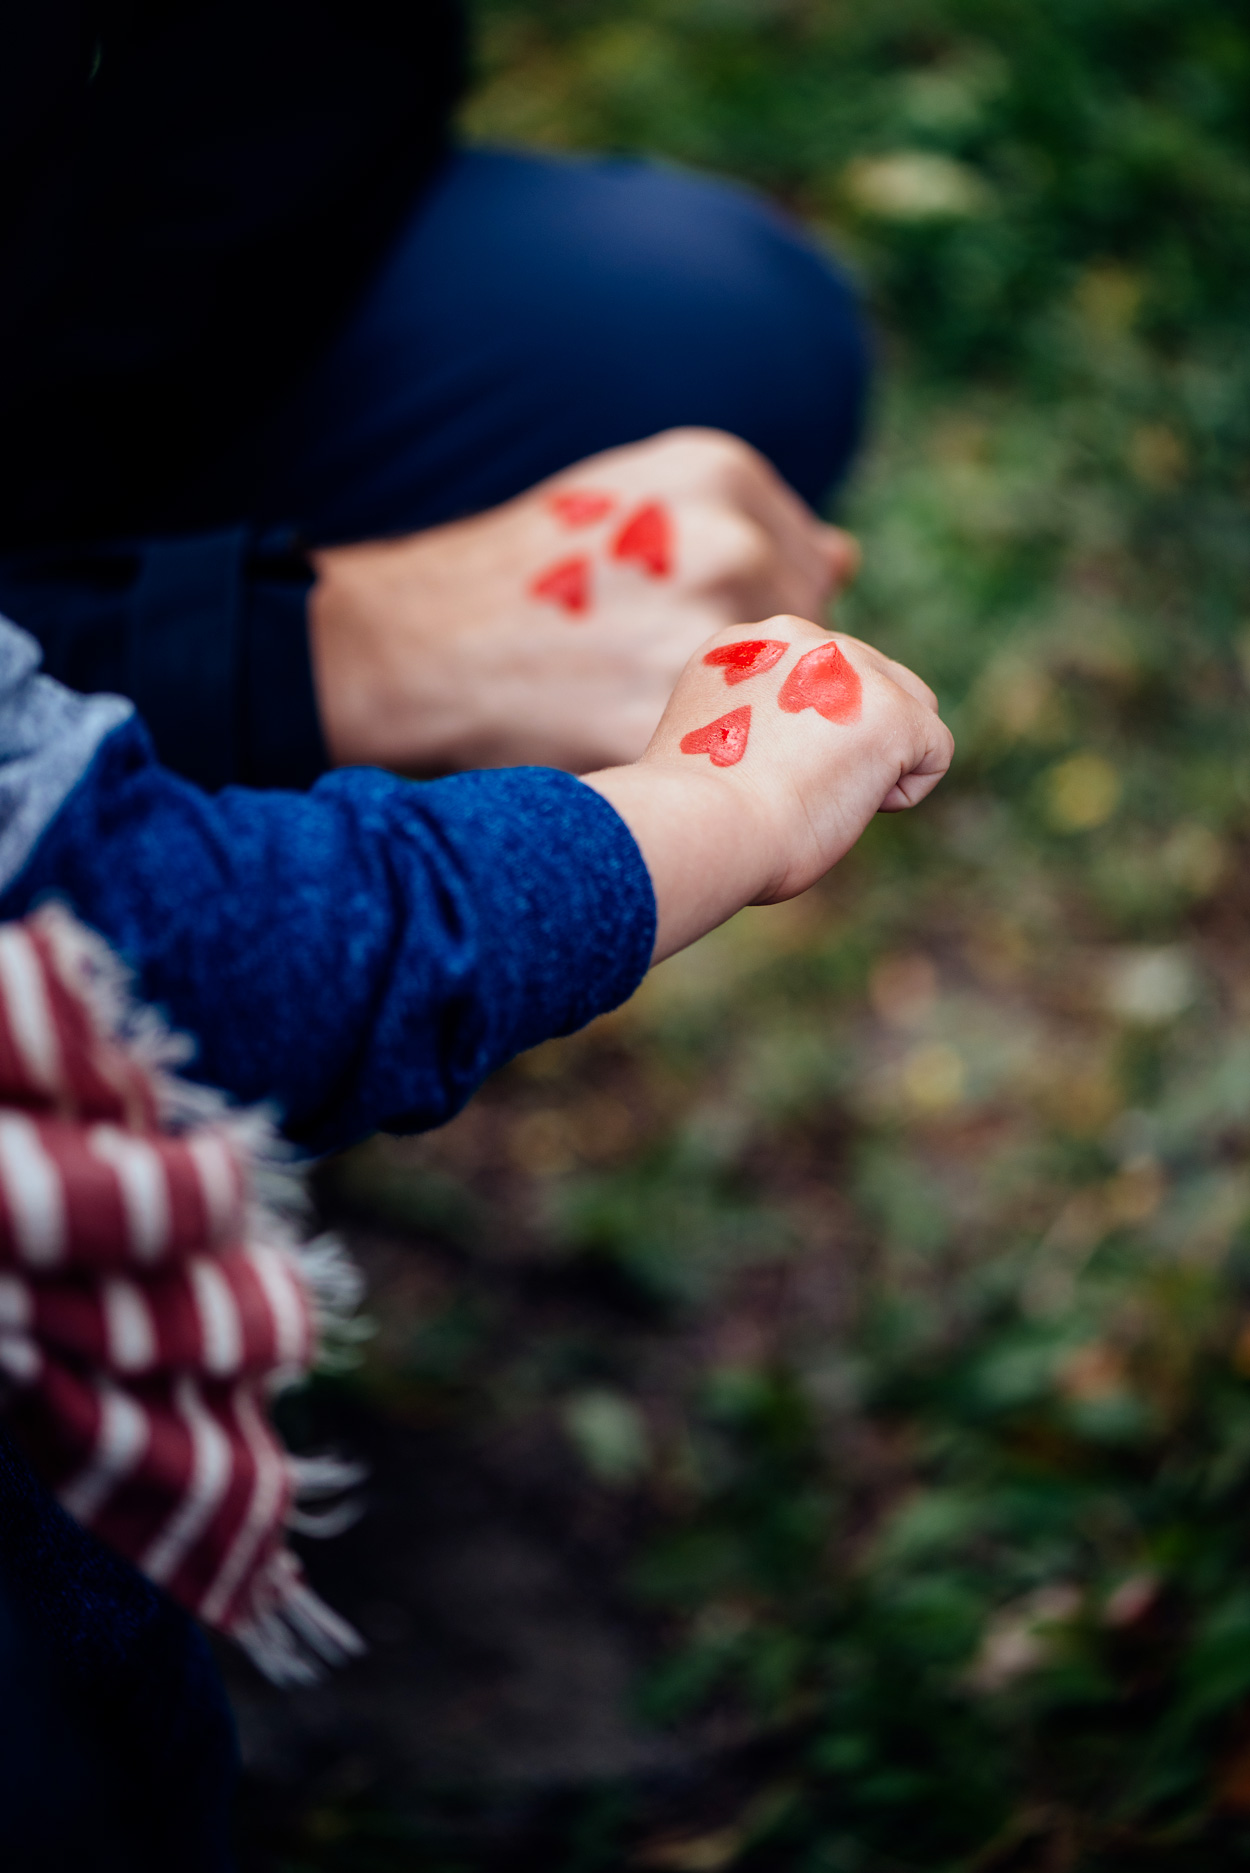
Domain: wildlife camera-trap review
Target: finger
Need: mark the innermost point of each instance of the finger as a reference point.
(918, 783)
(908, 792)
(898, 673)
(914, 685)
(845, 556)
(730, 556)
(824, 558)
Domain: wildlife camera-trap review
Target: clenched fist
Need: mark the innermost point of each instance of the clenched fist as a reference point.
(553, 629)
(780, 743)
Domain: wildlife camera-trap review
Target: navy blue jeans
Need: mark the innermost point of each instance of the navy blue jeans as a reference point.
(533, 311)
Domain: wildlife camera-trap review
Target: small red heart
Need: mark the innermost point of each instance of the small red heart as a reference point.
(581, 507)
(724, 740)
(823, 680)
(567, 584)
(739, 661)
(647, 536)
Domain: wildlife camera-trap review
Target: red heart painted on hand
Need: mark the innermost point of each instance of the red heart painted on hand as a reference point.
(823, 680)
(724, 740)
(739, 661)
(567, 584)
(581, 507)
(647, 536)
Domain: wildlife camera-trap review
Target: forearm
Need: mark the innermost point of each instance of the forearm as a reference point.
(365, 954)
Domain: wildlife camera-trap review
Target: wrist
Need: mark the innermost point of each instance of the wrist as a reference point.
(344, 652)
(705, 839)
(371, 714)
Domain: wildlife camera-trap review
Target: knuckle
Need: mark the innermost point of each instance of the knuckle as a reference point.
(729, 448)
(740, 550)
(715, 443)
(715, 456)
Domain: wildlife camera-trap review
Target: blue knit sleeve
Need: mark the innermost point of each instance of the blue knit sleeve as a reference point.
(366, 953)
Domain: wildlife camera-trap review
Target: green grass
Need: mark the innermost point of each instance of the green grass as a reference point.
(938, 1180)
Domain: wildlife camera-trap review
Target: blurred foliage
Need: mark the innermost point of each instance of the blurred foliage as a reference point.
(930, 1194)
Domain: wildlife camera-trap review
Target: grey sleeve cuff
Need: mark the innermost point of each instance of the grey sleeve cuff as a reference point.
(48, 737)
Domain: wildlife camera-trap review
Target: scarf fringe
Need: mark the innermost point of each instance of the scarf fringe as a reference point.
(296, 1635)
(337, 1288)
(313, 1479)
(288, 1631)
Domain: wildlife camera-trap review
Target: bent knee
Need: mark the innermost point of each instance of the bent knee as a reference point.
(713, 299)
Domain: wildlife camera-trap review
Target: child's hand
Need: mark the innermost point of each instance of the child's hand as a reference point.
(835, 733)
(780, 743)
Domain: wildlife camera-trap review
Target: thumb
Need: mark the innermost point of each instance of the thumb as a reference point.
(923, 776)
(843, 552)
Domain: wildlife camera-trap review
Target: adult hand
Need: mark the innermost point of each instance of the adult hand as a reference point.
(552, 629)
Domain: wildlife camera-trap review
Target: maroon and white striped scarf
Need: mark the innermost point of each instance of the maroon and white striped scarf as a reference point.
(151, 1302)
